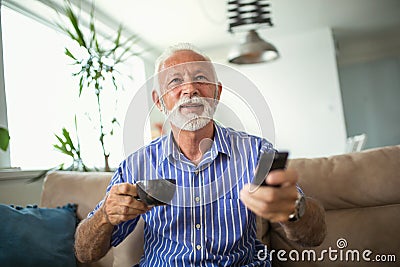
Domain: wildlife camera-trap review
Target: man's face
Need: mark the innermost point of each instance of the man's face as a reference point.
(189, 90)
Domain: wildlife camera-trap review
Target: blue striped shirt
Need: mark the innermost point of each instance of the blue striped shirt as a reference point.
(206, 223)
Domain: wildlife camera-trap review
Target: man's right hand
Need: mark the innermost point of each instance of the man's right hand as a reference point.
(121, 205)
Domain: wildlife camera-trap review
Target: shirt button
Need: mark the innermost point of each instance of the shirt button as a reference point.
(197, 199)
(198, 247)
(196, 172)
(198, 226)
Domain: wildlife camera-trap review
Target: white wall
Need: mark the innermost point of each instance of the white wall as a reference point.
(303, 93)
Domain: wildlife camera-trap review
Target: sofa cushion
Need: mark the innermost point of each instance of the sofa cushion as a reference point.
(360, 193)
(350, 233)
(35, 236)
(363, 179)
(85, 189)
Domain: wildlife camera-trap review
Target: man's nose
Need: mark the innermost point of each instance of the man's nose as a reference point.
(189, 90)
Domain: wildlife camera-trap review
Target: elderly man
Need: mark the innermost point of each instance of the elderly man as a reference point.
(213, 220)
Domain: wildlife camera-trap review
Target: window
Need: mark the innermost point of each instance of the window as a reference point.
(42, 96)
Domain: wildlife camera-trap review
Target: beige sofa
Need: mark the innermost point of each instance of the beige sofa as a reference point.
(360, 193)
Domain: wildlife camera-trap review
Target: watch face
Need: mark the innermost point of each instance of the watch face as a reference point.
(301, 207)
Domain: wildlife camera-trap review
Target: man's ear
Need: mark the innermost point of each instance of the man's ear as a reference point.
(156, 99)
(219, 90)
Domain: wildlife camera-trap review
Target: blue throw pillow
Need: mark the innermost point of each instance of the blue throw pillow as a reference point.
(35, 236)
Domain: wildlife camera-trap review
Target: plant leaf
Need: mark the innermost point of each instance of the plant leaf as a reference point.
(114, 82)
(120, 57)
(75, 23)
(80, 85)
(4, 138)
(92, 27)
(60, 140)
(118, 38)
(68, 53)
(68, 139)
(63, 150)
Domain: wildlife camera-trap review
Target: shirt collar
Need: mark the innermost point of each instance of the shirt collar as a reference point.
(221, 144)
(168, 147)
(221, 140)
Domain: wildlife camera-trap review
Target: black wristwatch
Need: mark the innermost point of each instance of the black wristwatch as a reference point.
(300, 208)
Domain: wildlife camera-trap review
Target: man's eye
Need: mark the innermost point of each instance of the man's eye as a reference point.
(201, 78)
(175, 81)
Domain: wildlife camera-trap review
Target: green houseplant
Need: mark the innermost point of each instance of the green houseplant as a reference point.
(97, 65)
(4, 138)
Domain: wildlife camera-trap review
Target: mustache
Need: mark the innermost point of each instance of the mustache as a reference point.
(193, 100)
(188, 101)
(208, 103)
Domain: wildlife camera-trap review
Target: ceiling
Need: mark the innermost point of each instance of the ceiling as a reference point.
(160, 23)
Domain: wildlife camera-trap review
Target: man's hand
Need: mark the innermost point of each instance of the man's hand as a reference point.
(121, 205)
(273, 203)
(277, 203)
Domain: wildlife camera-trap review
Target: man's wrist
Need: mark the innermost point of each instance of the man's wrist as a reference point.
(299, 209)
(310, 230)
(104, 220)
(294, 223)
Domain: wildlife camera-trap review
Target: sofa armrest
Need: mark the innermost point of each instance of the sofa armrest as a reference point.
(86, 189)
(83, 189)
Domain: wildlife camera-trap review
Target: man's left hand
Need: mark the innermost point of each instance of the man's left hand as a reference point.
(274, 203)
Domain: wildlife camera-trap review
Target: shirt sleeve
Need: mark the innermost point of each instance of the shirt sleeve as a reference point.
(266, 146)
(122, 230)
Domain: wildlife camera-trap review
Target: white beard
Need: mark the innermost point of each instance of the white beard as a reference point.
(192, 121)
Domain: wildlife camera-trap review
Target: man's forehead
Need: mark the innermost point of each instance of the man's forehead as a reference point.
(189, 68)
(179, 57)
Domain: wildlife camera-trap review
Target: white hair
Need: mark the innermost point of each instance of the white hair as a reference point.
(176, 48)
